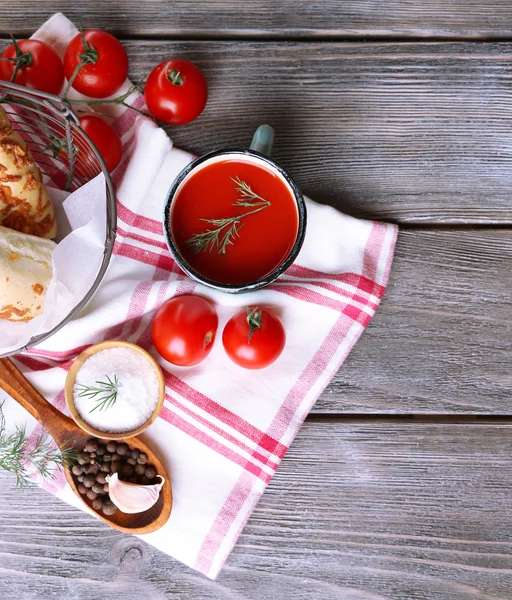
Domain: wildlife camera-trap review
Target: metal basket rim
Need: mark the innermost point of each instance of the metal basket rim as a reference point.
(64, 110)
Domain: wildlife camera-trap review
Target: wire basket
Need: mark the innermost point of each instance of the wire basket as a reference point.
(67, 158)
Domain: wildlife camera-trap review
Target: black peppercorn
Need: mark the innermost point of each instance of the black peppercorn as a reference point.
(93, 469)
(97, 503)
(109, 508)
(135, 453)
(131, 461)
(88, 481)
(105, 488)
(82, 489)
(80, 478)
(115, 467)
(101, 450)
(122, 449)
(91, 494)
(142, 458)
(97, 488)
(77, 469)
(83, 458)
(107, 458)
(116, 457)
(139, 469)
(92, 445)
(100, 478)
(127, 470)
(144, 480)
(111, 447)
(105, 468)
(150, 472)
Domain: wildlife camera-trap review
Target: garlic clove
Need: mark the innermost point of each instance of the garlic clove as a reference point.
(130, 497)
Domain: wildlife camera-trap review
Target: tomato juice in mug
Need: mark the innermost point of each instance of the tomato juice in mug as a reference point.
(234, 219)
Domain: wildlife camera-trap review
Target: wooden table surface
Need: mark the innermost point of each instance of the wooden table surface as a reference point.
(398, 486)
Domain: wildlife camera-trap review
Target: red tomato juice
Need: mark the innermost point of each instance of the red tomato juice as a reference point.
(260, 241)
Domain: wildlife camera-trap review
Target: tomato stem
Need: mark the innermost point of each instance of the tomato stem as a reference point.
(88, 57)
(253, 320)
(138, 87)
(174, 76)
(208, 339)
(90, 54)
(22, 59)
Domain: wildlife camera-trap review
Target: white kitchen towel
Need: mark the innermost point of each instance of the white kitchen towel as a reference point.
(223, 430)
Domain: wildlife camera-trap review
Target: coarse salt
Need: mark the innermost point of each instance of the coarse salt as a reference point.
(137, 394)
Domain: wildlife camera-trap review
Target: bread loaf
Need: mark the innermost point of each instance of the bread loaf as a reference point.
(25, 273)
(24, 202)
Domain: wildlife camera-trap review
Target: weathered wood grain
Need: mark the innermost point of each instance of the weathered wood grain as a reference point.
(232, 18)
(360, 511)
(441, 341)
(416, 133)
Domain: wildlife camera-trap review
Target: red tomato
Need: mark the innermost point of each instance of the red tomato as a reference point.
(108, 68)
(254, 338)
(41, 67)
(184, 329)
(176, 91)
(104, 138)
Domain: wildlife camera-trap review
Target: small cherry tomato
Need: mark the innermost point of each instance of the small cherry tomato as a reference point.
(104, 138)
(40, 67)
(184, 329)
(176, 91)
(106, 66)
(254, 338)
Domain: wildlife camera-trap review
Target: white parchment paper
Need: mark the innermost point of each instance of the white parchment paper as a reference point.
(81, 223)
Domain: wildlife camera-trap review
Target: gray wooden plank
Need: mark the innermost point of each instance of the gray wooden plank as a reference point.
(353, 18)
(360, 511)
(416, 133)
(441, 341)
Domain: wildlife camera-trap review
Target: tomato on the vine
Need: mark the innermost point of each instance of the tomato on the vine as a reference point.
(104, 63)
(184, 329)
(254, 338)
(104, 138)
(176, 91)
(38, 66)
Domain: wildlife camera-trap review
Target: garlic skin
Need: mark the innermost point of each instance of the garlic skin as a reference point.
(133, 498)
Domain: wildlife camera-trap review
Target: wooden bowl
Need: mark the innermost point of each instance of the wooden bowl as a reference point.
(70, 382)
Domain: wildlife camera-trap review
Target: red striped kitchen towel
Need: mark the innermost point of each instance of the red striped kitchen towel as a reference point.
(222, 431)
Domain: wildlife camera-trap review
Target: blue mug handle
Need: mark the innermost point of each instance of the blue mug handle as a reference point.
(263, 140)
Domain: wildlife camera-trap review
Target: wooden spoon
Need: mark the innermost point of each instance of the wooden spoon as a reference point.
(68, 435)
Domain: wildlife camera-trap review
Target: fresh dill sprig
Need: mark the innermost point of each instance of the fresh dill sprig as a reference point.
(218, 237)
(104, 393)
(249, 198)
(16, 456)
